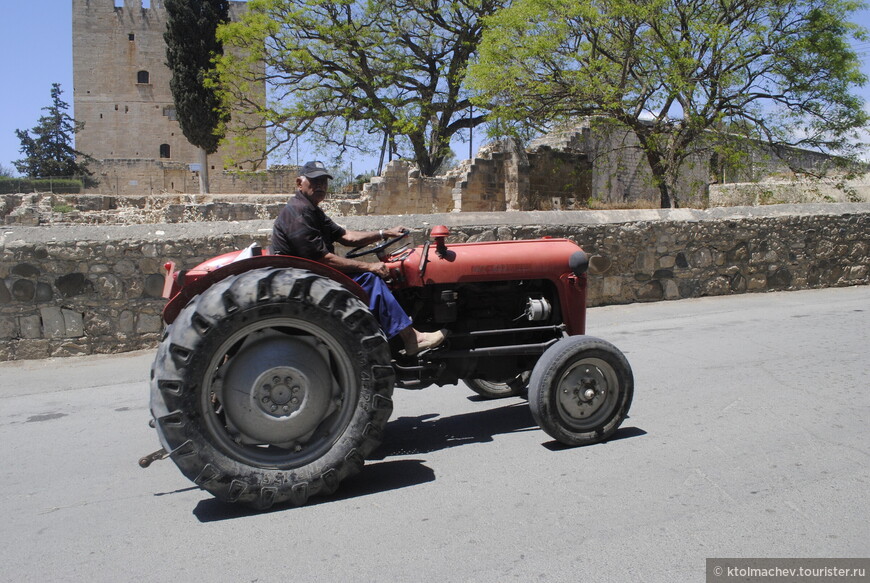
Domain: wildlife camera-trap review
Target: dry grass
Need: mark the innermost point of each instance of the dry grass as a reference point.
(600, 205)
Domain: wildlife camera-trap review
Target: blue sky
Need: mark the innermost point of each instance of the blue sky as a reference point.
(36, 44)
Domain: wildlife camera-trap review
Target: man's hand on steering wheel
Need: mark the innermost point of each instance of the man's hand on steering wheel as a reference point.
(391, 237)
(399, 231)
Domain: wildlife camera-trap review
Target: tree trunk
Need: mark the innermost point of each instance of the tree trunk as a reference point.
(203, 171)
(666, 200)
(659, 170)
(383, 151)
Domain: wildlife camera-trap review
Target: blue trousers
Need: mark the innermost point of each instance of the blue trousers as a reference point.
(383, 304)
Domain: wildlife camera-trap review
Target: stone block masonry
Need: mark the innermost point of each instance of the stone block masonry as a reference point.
(82, 289)
(122, 95)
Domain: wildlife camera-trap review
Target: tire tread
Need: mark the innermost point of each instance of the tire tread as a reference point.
(179, 360)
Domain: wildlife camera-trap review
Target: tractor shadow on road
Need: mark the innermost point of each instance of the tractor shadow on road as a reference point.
(621, 433)
(430, 432)
(411, 436)
(373, 479)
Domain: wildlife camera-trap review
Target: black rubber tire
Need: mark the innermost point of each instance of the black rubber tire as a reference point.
(559, 384)
(317, 342)
(492, 390)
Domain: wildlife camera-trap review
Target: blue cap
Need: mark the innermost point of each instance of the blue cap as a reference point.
(314, 170)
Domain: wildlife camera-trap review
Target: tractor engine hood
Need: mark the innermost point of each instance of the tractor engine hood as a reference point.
(551, 259)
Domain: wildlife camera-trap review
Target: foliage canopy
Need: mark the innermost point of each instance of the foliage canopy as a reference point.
(49, 151)
(356, 74)
(191, 46)
(684, 76)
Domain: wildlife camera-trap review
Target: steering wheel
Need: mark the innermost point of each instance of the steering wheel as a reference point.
(378, 249)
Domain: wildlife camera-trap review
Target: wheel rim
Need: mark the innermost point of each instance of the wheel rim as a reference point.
(278, 393)
(588, 392)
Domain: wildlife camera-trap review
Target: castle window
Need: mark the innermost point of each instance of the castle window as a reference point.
(164, 151)
(143, 78)
(131, 36)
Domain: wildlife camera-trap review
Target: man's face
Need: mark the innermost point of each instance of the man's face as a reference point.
(314, 189)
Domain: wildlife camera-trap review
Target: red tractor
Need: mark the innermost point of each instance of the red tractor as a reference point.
(274, 382)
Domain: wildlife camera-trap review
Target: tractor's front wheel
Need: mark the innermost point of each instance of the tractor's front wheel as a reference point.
(273, 385)
(580, 390)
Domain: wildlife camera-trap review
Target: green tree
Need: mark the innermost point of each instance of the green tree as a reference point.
(359, 74)
(682, 75)
(48, 148)
(191, 47)
(5, 172)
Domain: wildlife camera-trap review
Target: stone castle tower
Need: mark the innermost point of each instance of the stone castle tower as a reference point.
(121, 93)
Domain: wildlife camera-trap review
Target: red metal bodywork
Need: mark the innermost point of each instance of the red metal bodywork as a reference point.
(429, 264)
(206, 274)
(498, 261)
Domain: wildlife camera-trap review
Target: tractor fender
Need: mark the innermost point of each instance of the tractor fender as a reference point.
(201, 278)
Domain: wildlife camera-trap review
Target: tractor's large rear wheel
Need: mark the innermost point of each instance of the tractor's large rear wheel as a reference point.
(273, 385)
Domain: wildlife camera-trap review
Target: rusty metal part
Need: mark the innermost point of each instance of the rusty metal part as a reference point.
(149, 459)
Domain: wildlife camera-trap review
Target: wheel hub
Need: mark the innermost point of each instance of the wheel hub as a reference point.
(583, 391)
(277, 390)
(282, 391)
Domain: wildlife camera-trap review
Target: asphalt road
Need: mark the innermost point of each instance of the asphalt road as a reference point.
(748, 437)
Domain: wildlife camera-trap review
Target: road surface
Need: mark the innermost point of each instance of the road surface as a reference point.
(748, 437)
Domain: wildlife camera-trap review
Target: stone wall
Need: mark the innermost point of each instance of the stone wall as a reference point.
(121, 93)
(558, 180)
(72, 290)
(791, 191)
(137, 177)
(585, 167)
(89, 209)
(51, 209)
(482, 188)
(400, 190)
(619, 172)
(502, 177)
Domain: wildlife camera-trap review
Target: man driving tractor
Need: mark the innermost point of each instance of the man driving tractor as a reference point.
(302, 229)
